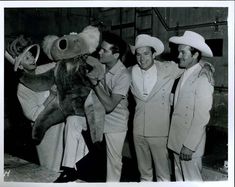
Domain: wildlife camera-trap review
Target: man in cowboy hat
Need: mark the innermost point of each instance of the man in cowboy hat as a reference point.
(151, 85)
(192, 105)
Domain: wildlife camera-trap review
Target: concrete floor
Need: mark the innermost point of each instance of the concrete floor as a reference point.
(19, 170)
(22, 166)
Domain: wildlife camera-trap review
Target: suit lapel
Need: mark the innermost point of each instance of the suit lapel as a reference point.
(190, 80)
(161, 80)
(161, 76)
(134, 87)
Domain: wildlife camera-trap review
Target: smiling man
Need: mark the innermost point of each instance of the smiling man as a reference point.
(192, 105)
(112, 93)
(151, 86)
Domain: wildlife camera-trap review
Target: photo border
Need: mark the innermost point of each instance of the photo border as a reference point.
(41, 4)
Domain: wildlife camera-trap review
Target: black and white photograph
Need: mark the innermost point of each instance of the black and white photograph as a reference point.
(117, 92)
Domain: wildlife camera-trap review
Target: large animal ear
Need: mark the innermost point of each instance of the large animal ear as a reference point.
(47, 44)
(91, 35)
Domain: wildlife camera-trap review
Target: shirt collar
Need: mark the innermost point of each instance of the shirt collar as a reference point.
(153, 68)
(116, 67)
(191, 69)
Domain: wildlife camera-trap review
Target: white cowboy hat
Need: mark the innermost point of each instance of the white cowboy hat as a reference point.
(194, 40)
(20, 57)
(144, 40)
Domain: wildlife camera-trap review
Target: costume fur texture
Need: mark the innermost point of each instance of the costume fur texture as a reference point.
(70, 78)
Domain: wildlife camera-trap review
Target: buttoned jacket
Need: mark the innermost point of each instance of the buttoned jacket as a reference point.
(152, 114)
(191, 114)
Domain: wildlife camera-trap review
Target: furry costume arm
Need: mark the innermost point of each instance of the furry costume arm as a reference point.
(40, 82)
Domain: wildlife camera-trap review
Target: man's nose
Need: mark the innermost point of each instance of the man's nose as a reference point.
(180, 55)
(141, 57)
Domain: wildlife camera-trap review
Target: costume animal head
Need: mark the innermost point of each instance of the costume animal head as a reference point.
(72, 45)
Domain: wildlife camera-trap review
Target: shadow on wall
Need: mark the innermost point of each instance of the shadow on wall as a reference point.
(216, 151)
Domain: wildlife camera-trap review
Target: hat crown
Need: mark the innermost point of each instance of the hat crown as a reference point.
(196, 36)
(145, 40)
(141, 39)
(194, 40)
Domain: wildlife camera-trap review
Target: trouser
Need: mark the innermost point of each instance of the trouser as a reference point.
(114, 146)
(92, 167)
(50, 150)
(188, 170)
(148, 149)
(75, 146)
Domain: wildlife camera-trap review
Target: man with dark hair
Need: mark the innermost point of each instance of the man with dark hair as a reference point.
(192, 105)
(112, 93)
(151, 86)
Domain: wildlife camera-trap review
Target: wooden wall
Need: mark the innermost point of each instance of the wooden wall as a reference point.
(128, 22)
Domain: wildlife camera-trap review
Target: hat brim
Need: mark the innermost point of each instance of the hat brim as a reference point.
(18, 62)
(203, 47)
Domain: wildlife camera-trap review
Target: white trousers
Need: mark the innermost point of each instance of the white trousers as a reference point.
(188, 170)
(75, 146)
(114, 146)
(148, 149)
(50, 150)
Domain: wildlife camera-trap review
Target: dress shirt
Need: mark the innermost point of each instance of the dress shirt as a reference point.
(145, 79)
(183, 78)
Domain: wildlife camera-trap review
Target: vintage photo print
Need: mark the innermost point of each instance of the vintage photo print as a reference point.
(117, 93)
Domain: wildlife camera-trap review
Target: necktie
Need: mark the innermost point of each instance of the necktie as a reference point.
(177, 90)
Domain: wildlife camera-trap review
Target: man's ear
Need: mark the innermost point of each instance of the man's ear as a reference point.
(195, 56)
(116, 55)
(154, 55)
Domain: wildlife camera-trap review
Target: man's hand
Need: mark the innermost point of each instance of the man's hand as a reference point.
(207, 69)
(186, 154)
(98, 71)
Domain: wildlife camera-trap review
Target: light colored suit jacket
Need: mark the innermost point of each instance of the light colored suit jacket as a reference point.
(191, 114)
(152, 115)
